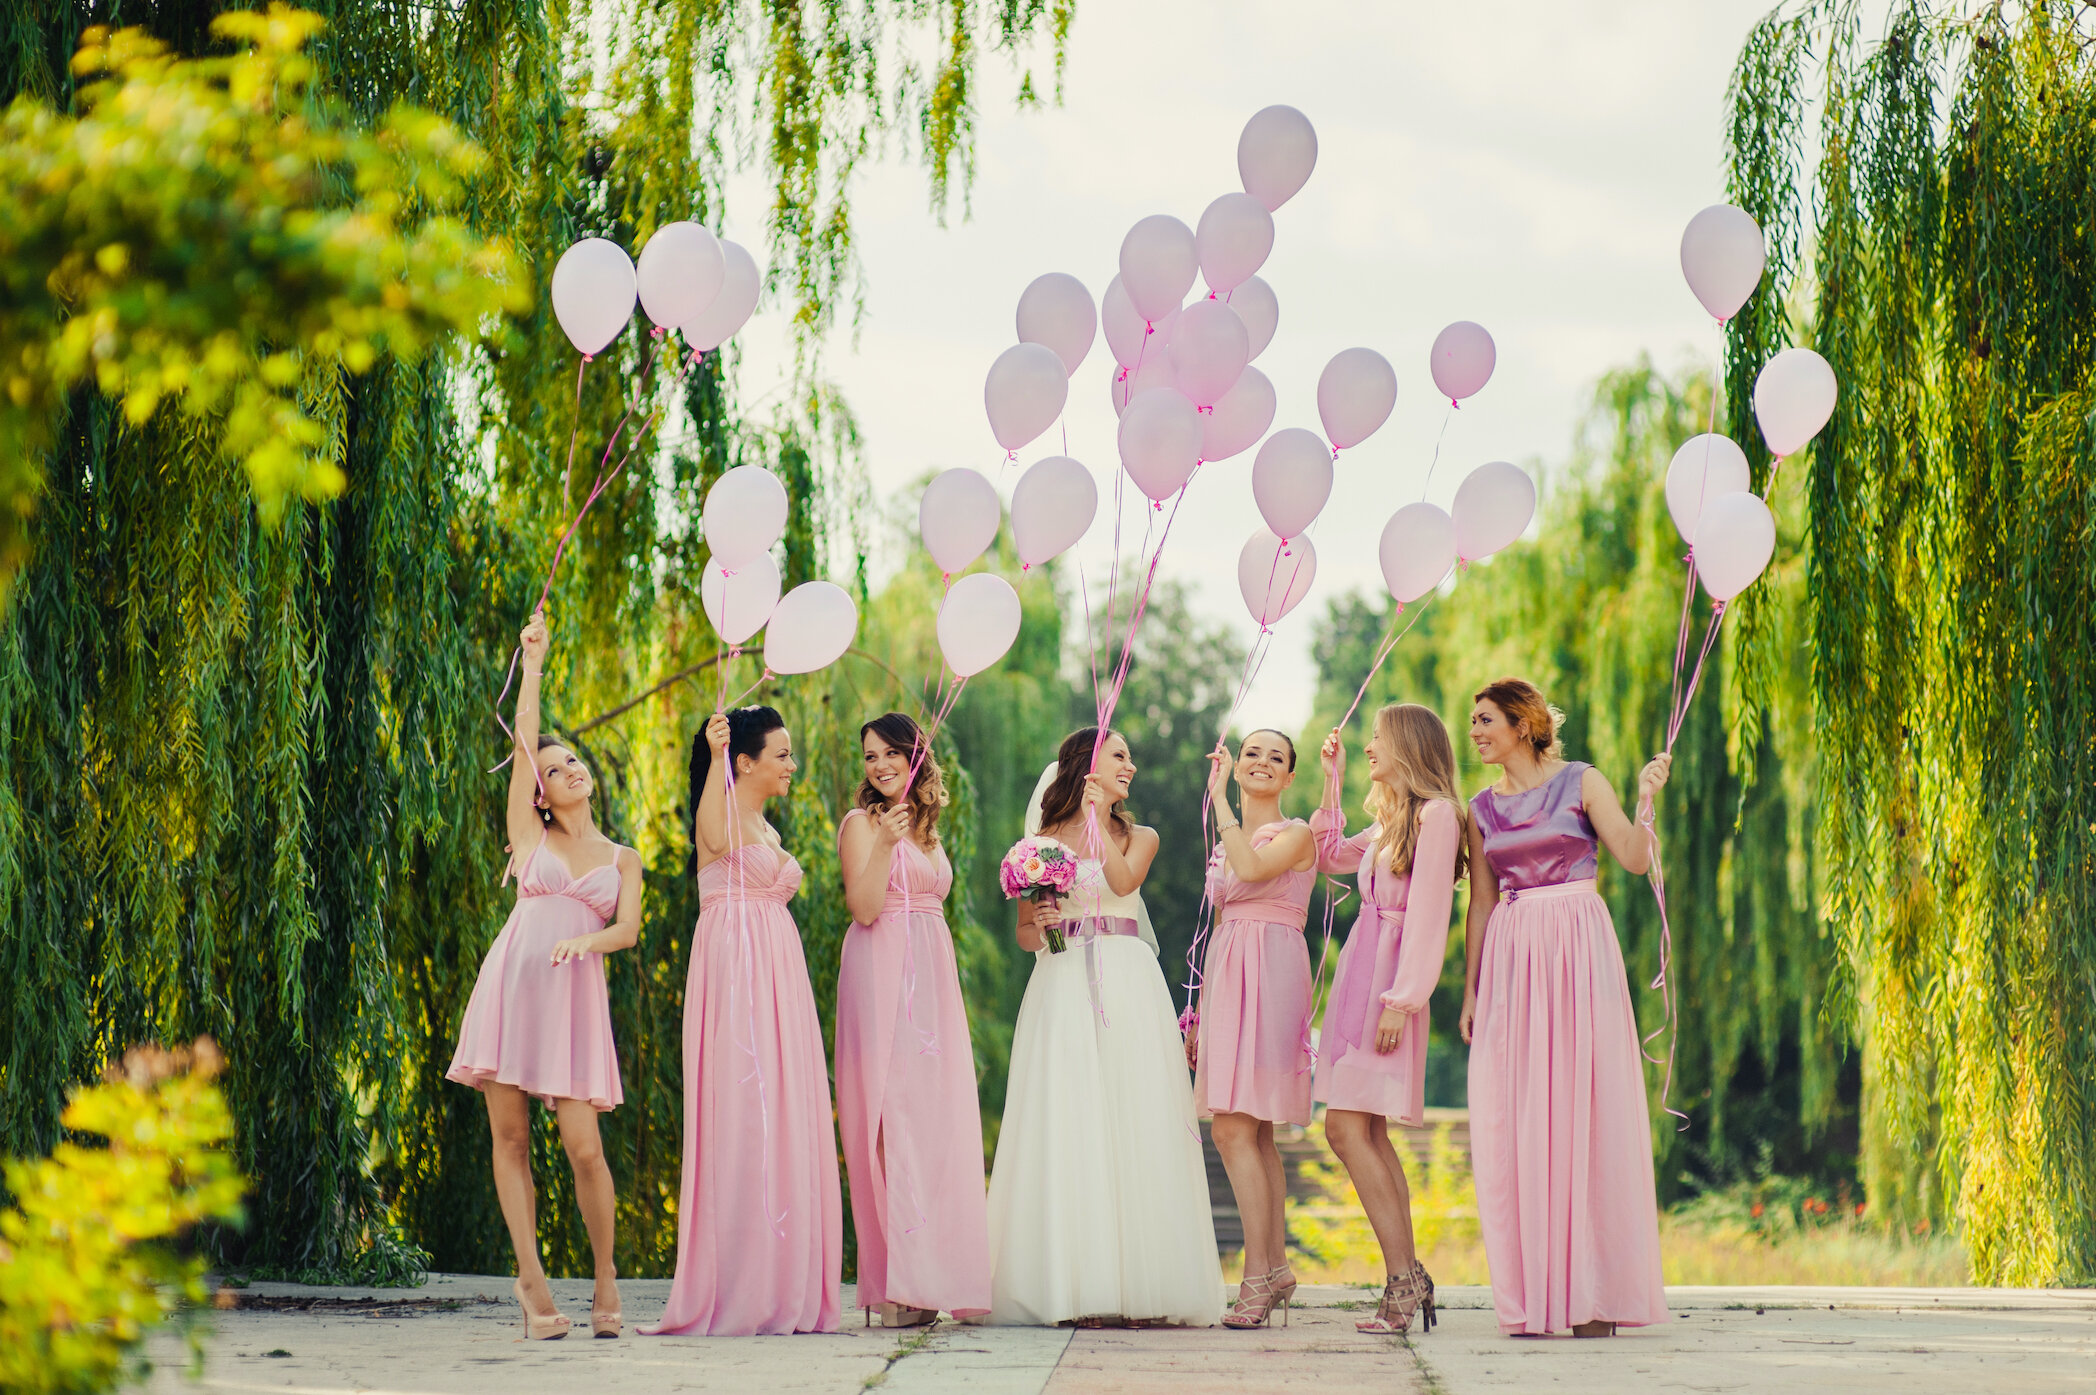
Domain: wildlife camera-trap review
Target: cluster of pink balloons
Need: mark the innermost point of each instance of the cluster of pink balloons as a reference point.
(688, 280)
(809, 627)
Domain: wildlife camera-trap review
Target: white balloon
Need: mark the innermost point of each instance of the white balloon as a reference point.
(1260, 309)
(1056, 310)
(681, 271)
(738, 602)
(1157, 265)
(978, 621)
(811, 628)
(1462, 359)
(1129, 337)
(1417, 549)
(1291, 480)
(1734, 541)
(1024, 393)
(1273, 576)
(1354, 395)
(1233, 240)
(1722, 253)
(1052, 508)
(1210, 348)
(1493, 506)
(1156, 375)
(1793, 397)
(1705, 467)
(1239, 417)
(731, 309)
(593, 293)
(745, 514)
(1276, 154)
(958, 518)
(1160, 441)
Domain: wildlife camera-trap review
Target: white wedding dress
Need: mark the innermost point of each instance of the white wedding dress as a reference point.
(1099, 1195)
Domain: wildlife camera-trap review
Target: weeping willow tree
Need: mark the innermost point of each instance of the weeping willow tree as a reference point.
(1588, 611)
(247, 788)
(1951, 227)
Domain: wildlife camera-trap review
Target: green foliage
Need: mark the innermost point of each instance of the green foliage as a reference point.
(1950, 594)
(89, 1257)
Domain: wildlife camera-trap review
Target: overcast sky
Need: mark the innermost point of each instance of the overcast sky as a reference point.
(1528, 167)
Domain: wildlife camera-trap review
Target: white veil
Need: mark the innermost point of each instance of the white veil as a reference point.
(1033, 826)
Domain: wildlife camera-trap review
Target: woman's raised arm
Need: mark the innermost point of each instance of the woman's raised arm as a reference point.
(521, 816)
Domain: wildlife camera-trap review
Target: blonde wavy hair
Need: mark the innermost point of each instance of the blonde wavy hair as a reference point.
(1426, 764)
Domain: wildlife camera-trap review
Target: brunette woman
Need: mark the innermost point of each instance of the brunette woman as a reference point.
(1561, 1141)
(906, 1103)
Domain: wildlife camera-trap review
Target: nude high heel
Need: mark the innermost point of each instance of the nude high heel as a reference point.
(1401, 1299)
(1283, 1280)
(1255, 1303)
(536, 1328)
(1597, 1328)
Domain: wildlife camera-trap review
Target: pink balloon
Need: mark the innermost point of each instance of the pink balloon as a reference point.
(1209, 349)
(1462, 359)
(680, 272)
(731, 309)
(1276, 154)
(1260, 309)
(958, 518)
(739, 602)
(1417, 549)
(1160, 441)
(1127, 331)
(1024, 393)
(1735, 539)
(811, 628)
(745, 514)
(593, 291)
(1274, 576)
(1239, 418)
(1291, 480)
(1794, 395)
(1156, 375)
(978, 621)
(1052, 507)
(1493, 505)
(1705, 467)
(1056, 310)
(1722, 254)
(1157, 265)
(1235, 236)
(1354, 395)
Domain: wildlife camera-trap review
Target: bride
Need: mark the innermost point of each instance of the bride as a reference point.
(1099, 1196)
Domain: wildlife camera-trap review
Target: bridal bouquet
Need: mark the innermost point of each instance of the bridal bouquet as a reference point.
(1039, 869)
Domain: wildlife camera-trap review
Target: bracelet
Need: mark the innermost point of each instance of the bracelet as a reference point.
(1221, 828)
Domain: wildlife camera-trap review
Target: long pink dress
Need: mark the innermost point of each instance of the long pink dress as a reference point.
(1392, 959)
(906, 1105)
(542, 1027)
(1560, 1135)
(760, 1221)
(1254, 1055)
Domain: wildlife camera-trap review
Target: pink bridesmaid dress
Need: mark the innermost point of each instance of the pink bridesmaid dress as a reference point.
(1560, 1134)
(544, 1027)
(760, 1222)
(1254, 1055)
(906, 1105)
(1392, 959)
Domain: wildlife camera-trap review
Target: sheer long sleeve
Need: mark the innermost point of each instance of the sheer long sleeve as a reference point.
(1428, 898)
(1338, 854)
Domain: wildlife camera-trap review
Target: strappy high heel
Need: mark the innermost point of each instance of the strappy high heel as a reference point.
(536, 1328)
(1401, 1299)
(1255, 1303)
(1283, 1280)
(1423, 1285)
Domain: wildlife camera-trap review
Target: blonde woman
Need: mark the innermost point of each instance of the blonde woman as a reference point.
(1371, 1063)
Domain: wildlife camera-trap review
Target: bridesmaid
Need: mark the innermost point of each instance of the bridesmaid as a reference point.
(1560, 1133)
(539, 1023)
(906, 1103)
(1371, 1065)
(760, 1224)
(1250, 1047)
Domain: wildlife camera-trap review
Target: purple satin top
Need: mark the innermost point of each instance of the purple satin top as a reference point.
(1539, 837)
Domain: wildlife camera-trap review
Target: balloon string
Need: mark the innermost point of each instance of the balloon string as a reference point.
(1436, 460)
(1383, 652)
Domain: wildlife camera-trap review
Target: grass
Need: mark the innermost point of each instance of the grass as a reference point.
(1775, 1231)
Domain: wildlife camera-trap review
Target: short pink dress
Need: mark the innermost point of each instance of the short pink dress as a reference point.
(1392, 959)
(542, 1027)
(760, 1220)
(1254, 1055)
(906, 1105)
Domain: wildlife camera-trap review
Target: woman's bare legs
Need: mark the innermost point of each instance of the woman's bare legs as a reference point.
(1362, 1142)
(509, 1124)
(594, 1194)
(1254, 1165)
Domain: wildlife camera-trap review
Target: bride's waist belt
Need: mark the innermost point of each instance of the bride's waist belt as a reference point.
(1086, 927)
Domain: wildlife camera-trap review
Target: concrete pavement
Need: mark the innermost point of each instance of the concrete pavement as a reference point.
(459, 1335)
